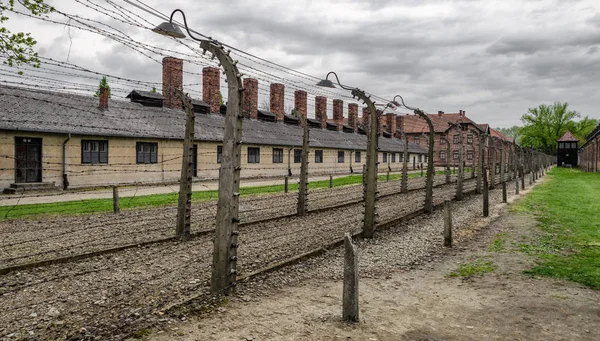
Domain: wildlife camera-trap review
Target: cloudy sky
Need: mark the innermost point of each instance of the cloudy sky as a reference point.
(493, 59)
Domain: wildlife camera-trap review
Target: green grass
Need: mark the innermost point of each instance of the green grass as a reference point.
(475, 268)
(157, 200)
(498, 243)
(567, 207)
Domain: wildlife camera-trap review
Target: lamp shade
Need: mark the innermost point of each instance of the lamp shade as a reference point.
(326, 83)
(169, 29)
(395, 103)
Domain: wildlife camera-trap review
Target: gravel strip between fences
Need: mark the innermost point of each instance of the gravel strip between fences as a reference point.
(113, 295)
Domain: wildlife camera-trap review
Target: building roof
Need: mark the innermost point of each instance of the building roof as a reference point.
(53, 112)
(441, 122)
(149, 94)
(568, 137)
(495, 133)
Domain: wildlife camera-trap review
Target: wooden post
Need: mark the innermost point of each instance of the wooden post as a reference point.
(303, 182)
(350, 310)
(331, 181)
(448, 156)
(486, 197)
(517, 185)
(387, 176)
(184, 206)
(504, 194)
(480, 156)
(459, 179)
(447, 224)
(502, 165)
(493, 168)
(286, 184)
(116, 206)
(224, 266)
(404, 181)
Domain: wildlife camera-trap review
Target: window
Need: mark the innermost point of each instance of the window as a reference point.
(357, 157)
(393, 157)
(442, 155)
(561, 145)
(340, 156)
(277, 155)
(455, 155)
(384, 157)
(420, 158)
(318, 156)
(574, 145)
(417, 139)
(94, 151)
(443, 140)
(147, 152)
(470, 139)
(219, 154)
(400, 157)
(456, 138)
(297, 155)
(253, 155)
(469, 155)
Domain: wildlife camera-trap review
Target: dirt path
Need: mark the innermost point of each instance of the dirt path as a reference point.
(411, 302)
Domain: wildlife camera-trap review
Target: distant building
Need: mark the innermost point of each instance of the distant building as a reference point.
(567, 150)
(589, 154)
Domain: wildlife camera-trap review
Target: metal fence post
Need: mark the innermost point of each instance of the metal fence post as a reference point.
(447, 224)
(303, 182)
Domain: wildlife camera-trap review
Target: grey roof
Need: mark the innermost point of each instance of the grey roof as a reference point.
(53, 112)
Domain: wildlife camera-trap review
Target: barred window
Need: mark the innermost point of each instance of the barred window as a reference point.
(219, 154)
(470, 139)
(393, 157)
(384, 157)
(442, 155)
(318, 156)
(253, 155)
(147, 152)
(469, 155)
(277, 155)
(297, 155)
(357, 157)
(455, 155)
(456, 138)
(340, 156)
(93, 151)
(420, 158)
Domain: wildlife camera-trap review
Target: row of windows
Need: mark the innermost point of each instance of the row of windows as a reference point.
(567, 145)
(96, 151)
(443, 140)
(254, 155)
(455, 155)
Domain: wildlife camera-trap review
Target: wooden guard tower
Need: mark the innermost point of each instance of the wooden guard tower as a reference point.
(567, 150)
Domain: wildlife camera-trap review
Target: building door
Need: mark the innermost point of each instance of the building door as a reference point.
(195, 160)
(28, 159)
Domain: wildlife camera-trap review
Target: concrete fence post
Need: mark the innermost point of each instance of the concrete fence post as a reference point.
(504, 194)
(303, 182)
(486, 197)
(350, 294)
(517, 185)
(116, 206)
(447, 224)
(331, 181)
(286, 184)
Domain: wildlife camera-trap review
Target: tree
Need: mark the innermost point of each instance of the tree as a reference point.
(547, 123)
(103, 85)
(17, 48)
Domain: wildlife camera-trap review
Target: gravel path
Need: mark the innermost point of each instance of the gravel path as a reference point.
(25, 241)
(110, 296)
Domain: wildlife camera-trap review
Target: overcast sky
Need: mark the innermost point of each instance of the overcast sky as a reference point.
(493, 59)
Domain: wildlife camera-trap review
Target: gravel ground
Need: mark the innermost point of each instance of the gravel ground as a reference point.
(26, 241)
(110, 296)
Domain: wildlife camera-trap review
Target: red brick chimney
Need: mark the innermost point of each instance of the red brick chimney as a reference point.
(321, 110)
(211, 85)
(277, 100)
(250, 98)
(399, 124)
(103, 99)
(338, 113)
(365, 116)
(301, 101)
(390, 123)
(172, 79)
(353, 115)
(381, 121)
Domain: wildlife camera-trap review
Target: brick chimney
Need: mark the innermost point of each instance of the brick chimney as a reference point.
(390, 123)
(399, 125)
(103, 99)
(211, 85)
(365, 116)
(321, 110)
(277, 100)
(338, 113)
(440, 113)
(172, 79)
(353, 115)
(250, 98)
(301, 101)
(381, 121)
